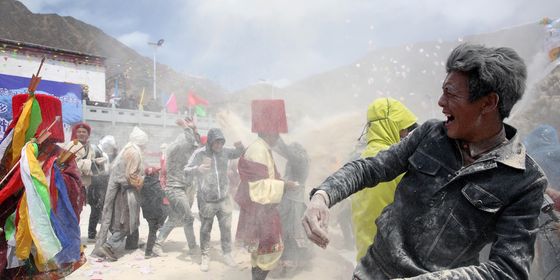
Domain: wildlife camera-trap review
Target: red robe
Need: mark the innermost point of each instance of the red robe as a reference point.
(259, 224)
(73, 183)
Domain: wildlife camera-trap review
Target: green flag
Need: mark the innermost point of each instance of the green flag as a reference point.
(199, 111)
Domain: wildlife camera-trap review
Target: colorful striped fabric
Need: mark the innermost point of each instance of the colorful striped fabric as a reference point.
(25, 128)
(35, 211)
(65, 222)
(6, 141)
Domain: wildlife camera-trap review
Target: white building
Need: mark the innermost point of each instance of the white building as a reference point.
(23, 59)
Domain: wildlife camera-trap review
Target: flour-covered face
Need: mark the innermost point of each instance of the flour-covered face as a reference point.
(464, 118)
(218, 145)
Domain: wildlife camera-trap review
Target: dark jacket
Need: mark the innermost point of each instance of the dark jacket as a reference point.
(297, 169)
(443, 213)
(152, 198)
(213, 185)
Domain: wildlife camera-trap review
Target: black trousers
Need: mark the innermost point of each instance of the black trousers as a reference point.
(258, 274)
(96, 198)
(132, 241)
(94, 218)
(153, 226)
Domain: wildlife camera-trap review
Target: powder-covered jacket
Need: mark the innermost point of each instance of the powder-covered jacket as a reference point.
(177, 156)
(445, 213)
(212, 186)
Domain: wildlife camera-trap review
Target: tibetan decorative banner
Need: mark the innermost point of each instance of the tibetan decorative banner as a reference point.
(69, 94)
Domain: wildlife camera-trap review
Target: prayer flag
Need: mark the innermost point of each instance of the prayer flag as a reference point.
(194, 99)
(171, 104)
(199, 111)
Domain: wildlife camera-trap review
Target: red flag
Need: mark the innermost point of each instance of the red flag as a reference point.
(194, 99)
(171, 104)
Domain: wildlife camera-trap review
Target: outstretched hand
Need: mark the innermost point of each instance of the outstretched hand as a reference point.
(316, 221)
(204, 168)
(186, 122)
(239, 145)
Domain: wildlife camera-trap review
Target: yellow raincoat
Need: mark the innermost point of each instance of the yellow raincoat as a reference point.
(386, 118)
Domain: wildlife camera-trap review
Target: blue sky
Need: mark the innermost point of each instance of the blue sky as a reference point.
(243, 42)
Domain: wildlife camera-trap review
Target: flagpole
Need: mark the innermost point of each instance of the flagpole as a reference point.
(155, 45)
(155, 48)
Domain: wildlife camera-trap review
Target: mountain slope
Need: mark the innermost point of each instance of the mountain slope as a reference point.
(133, 70)
(412, 73)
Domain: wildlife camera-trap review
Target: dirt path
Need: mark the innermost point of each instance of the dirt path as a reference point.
(326, 264)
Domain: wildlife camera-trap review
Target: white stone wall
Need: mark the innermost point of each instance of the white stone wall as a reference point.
(58, 71)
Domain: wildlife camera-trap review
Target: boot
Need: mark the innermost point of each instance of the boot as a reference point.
(108, 253)
(158, 251)
(228, 259)
(132, 241)
(204, 263)
(258, 274)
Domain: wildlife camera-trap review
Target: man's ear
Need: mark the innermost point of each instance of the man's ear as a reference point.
(490, 103)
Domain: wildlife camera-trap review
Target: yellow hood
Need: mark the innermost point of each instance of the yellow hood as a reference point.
(386, 118)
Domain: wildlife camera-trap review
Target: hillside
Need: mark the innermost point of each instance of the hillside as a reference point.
(317, 106)
(412, 73)
(123, 63)
(326, 112)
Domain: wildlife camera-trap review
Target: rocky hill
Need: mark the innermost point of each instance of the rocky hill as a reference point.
(20, 24)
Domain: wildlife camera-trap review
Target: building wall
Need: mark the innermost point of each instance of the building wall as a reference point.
(25, 66)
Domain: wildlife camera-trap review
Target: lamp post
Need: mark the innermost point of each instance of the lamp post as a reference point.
(155, 45)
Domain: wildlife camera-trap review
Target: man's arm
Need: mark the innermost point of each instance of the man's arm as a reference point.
(192, 167)
(355, 176)
(84, 163)
(100, 158)
(134, 171)
(189, 130)
(235, 152)
(368, 172)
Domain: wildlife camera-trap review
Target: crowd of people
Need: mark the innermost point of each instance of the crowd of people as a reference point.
(198, 166)
(425, 198)
(130, 102)
(118, 185)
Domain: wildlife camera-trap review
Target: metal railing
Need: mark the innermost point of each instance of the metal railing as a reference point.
(139, 117)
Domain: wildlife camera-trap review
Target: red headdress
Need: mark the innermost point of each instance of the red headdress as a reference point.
(80, 125)
(51, 107)
(269, 116)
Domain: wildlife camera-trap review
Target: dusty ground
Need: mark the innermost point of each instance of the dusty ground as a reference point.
(332, 263)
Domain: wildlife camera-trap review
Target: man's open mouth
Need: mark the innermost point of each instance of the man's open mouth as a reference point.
(450, 118)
